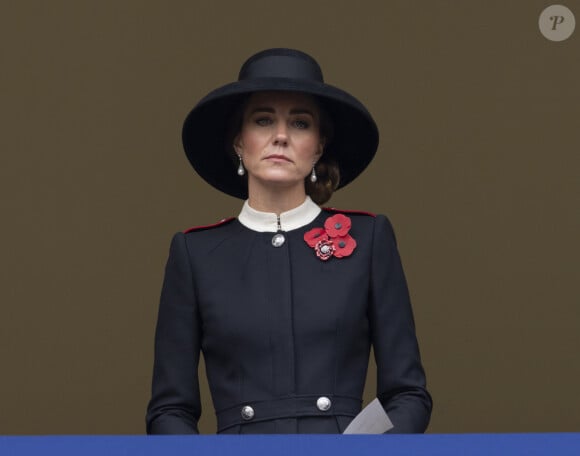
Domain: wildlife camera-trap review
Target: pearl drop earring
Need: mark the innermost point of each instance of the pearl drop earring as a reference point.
(313, 177)
(241, 170)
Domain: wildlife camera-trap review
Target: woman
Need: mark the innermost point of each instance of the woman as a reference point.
(285, 300)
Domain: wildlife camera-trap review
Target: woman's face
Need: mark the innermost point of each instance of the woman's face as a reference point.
(279, 141)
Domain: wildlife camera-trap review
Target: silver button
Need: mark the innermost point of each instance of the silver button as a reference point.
(278, 240)
(323, 403)
(247, 413)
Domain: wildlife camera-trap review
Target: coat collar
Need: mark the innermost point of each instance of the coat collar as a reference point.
(268, 221)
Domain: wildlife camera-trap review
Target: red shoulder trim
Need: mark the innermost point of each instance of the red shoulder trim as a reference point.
(342, 211)
(205, 227)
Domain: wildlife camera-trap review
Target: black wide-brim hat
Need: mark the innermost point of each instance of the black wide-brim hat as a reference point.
(205, 130)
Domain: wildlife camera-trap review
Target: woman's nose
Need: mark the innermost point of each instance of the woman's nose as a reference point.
(281, 136)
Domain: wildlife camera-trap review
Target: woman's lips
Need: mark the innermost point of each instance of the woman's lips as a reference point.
(276, 157)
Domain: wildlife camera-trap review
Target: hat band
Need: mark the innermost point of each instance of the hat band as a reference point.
(281, 66)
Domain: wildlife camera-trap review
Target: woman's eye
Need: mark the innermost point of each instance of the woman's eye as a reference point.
(263, 121)
(301, 124)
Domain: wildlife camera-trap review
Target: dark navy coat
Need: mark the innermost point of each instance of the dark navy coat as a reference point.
(279, 328)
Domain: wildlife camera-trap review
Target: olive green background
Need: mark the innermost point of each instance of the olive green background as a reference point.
(477, 168)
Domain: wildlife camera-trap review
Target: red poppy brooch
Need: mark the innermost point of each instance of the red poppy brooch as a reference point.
(333, 239)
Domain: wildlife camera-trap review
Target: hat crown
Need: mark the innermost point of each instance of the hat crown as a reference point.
(281, 63)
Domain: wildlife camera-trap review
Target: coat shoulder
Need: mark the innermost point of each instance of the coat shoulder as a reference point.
(334, 210)
(221, 223)
(375, 222)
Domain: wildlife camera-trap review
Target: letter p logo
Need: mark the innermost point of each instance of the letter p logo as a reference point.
(557, 23)
(556, 20)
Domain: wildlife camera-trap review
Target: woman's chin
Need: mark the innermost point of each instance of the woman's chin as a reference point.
(278, 181)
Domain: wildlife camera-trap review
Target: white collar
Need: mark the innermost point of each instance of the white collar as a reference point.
(289, 220)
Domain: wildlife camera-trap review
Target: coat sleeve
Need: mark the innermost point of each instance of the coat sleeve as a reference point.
(175, 405)
(400, 375)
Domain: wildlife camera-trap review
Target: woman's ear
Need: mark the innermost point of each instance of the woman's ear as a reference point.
(320, 151)
(238, 147)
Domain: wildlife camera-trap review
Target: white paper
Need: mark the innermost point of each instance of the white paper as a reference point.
(371, 420)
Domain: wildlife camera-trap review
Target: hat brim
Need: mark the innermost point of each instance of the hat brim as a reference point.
(353, 146)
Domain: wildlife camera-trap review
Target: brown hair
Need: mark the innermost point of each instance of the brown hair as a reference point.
(327, 170)
(328, 177)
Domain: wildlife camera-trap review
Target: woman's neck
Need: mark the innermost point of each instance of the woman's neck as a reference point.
(276, 200)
